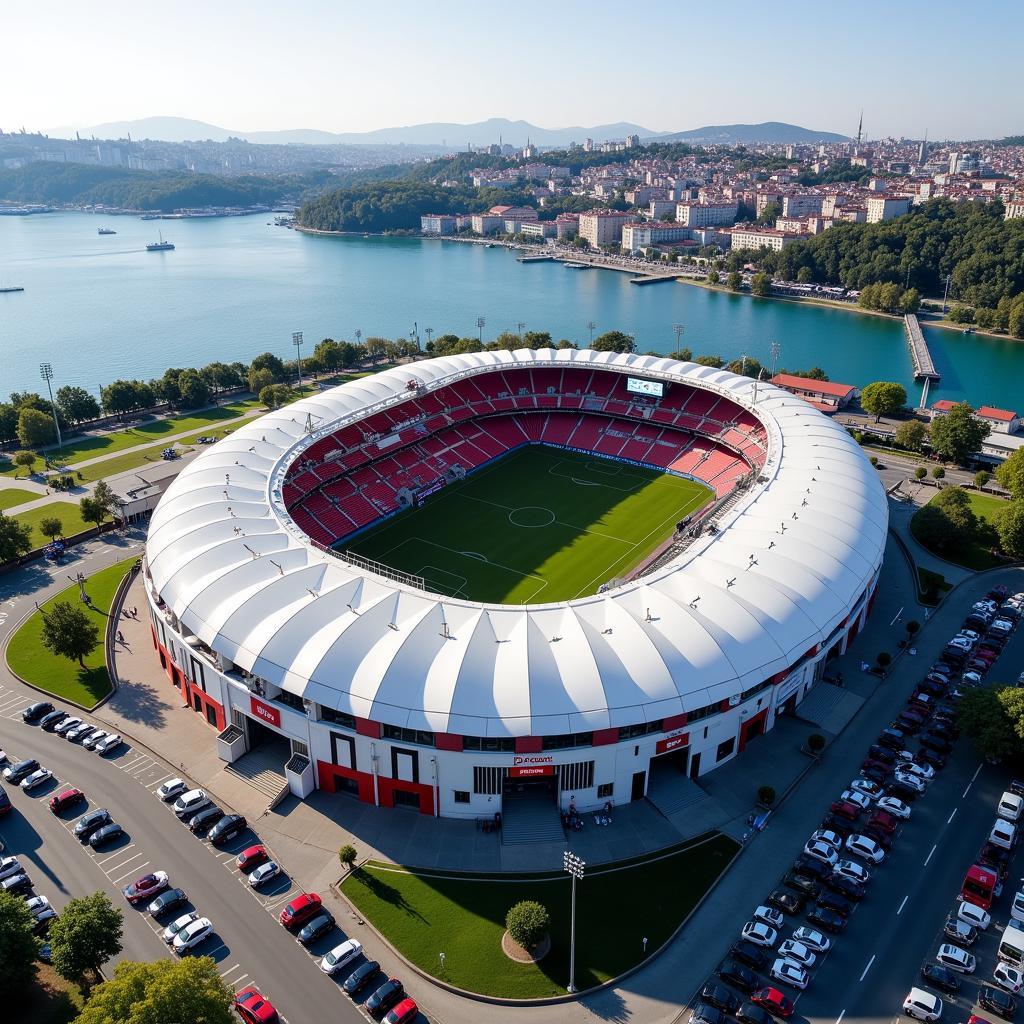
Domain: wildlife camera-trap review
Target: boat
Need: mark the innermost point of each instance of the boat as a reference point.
(491, 245)
(150, 216)
(160, 246)
(576, 266)
(106, 231)
(11, 288)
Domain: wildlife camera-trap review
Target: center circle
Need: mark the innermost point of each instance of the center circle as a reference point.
(531, 516)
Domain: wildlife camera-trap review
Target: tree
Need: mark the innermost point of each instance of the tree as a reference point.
(273, 396)
(347, 856)
(18, 948)
(1009, 524)
(51, 527)
(938, 472)
(69, 632)
(1010, 474)
(527, 922)
(984, 716)
(715, 362)
(734, 281)
(86, 935)
(193, 390)
(15, 538)
(805, 275)
(747, 366)
(766, 795)
(25, 459)
(910, 301)
(883, 659)
(713, 277)
(883, 398)
(189, 989)
(815, 743)
(957, 434)
(761, 284)
(911, 435)
(8, 422)
(614, 341)
(260, 379)
(35, 428)
(268, 361)
(947, 521)
(77, 405)
(912, 628)
(920, 472)
(982, 477)
(92, 511)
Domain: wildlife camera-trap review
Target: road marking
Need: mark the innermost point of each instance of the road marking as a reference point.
(929, 857)
(952, 816)
(127, 874)
(123, 850)
(157, 784)
(148, 768)
(839, 1019)
(231, 970)
(977, 771)
(868, 968)
(967, 790)
(117, 867)
(903, 904)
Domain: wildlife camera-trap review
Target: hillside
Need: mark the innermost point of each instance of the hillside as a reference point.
(778, 132)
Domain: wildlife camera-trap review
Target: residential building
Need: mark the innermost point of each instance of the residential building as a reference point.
(702, 215)
(826, 396)
(749, 236)
(885, 207)
(487, 223)
(603, 227)
(536, 228)
(643, 235)
(438, 224)
(1014, 208)
(800, 204)
(659, 207)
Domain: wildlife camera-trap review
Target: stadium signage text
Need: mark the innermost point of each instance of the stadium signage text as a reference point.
(531, 771)
(265, 713)
(672, 743)
(540, 759)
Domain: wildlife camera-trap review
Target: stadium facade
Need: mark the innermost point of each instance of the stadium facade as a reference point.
(404, 697)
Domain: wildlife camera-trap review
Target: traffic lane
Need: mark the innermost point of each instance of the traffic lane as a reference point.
(901, 917)
(248, 934)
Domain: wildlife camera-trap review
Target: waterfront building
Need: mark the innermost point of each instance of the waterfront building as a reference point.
(750, 236)
(643, 235)
(603, 227)
(534, 228)
(702, 215)
(438, 224)
(567, 224)
(825, 395)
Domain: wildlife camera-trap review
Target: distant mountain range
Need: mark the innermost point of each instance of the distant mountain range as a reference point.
(455, 136)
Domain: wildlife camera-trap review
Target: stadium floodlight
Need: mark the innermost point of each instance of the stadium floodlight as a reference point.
(574, 865)
(46, 372)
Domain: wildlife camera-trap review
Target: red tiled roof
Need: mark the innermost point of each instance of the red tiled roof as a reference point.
(989, 413)
(818, 387)
(943, 405)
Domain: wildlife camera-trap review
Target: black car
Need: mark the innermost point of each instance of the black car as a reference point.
(874, 773)
(812, 867)
(930, 757)
(5, 801)
(205, 820)
(36, 711)
(320, 925)
(751, 1013)
(834, 823)
(361, 977)
(787, 902)
(746, 952)
(932, 740)
(847, 888)
(999, 1002)
(20, 770)
(894, 739)
(739, 976)
(230, 826)
(826, 919)
(902, 791)
(833, 901)
(105, 834)
(884, 754)
(382, 999)
(932, 687)
(89, 823)
(880, 836)
(16, 885)
(719, 997)
(167, 900)
(705, 1014)
(941, 978)
(802, 884)
(52, 719)
(948, 730)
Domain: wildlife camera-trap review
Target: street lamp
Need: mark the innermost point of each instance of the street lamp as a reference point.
(359, 334)
(297, 342)
(520, 325)
(590, 327)
(775, 348)
(480, 321)
(429, 332)
(574, 865)
(414, 334)
(678, 329)
(46, 372)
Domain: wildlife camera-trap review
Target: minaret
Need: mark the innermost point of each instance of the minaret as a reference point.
(860, 127)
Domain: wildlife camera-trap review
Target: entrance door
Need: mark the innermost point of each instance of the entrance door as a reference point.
(639, 786)
(695, 766)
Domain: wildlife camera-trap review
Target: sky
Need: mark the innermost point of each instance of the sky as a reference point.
(668, 65)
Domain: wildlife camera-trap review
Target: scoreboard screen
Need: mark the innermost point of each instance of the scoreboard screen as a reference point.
(651, 388)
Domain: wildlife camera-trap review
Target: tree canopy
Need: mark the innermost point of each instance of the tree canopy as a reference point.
(15, 538)
(993, 718)
(614, 341)
(1009, 524)
(957, 434)
(18, 948)
(947, 521)
(86, 935)
(35, 428)
(1010, 474)
(883, 398)
(69, 631)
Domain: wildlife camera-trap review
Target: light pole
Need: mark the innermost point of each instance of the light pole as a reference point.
(678, 330)
(775, 348)
(297, 342)
(359, 335)
(415, 335)
(945, 293)
(429, 332)
(46, 372)
(574, 865)
(590, 327)
(480, 321)
(520, 325)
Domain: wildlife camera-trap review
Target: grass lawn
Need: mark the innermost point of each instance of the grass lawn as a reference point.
(424, 913)
(976, 554)
(50, 999)
(11, 496)
(538, 525)
(67, 512)
(27, 656)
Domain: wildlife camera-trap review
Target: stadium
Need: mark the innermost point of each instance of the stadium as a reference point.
(536, 575)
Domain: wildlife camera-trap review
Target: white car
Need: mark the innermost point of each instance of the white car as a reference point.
(812, 939)
(192, 935)
(867, 787)
(912, 781)
(3, 757)
(789, 972)
(93, 738)
(821, 851)
(108, 743)
(37, 778)
(9, 866)
(1008, 977)
(37, 905)
(971, 678)
(797, 952)
(866, 847)
(972, 915)
(190, 802)
(970, 634)
(264, 873)
(759, 933)
(956, 959)
(70, 722)
(853, 871)
(176, 926)
(340, 956)
(171, 790)
(897, 808)
(922, 1005)
(858, 799)
(824, 835)
(79, 732)
(925, 772)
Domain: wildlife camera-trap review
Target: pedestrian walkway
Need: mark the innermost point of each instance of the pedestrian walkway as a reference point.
(829, 707)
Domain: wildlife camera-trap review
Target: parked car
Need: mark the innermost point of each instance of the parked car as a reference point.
(383, 998)
(844, 809)
(864, 846)
(20, 770)
(90, 741)
(263, 874)
(109, 742)
(404, 1012)
(177, 924)
(190, 803)
(36, 711)
(254, 1007)
(941, 978)
(364, 974)
(787, 902)
(812, 939)
(751, 1013)
(251, 857)
(146, 887)
(769, 916)
(793, 949)
(772, 1000)
(719, 997)
(170, 899)
(790, 973)
(67, 723)
(855, 797)
(65, 799)
(821, 851)
(831, 900)
(316, 928)
(16, 885)
(229, 827)
(749, 954)
(958, 932)
(202, 821)
(1010, 978)
(973, 915)
(79, 732)
(739, 976)
(341, 956)
(922, 1005)
(852, 870)
(192, 935)
(107, 834)
(827, 919)
(825, 835)
(847, 888)
(171, 790)
(89, 823)
(9, 866)
(894, 807)
(5, 801)
(301, 909)
(895, 739)
(36, 778)
(956, 959)
(870, 789)
(816, 869)
(1001, 1003)
(802, 884)
(841, 826)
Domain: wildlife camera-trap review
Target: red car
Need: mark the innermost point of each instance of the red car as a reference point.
(251, 858)
(844, 809)
(254, 1008)
(884, 822)
(146, 886)
(872, 764)
(68, 798)
(403, 1013)
(772, 1000)
(300, 910)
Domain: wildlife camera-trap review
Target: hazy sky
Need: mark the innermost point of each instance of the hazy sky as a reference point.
(339, 65)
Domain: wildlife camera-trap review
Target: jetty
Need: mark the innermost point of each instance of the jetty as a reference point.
(542, 258)
(924, 366)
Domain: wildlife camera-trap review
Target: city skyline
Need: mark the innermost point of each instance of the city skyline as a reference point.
(233, 66)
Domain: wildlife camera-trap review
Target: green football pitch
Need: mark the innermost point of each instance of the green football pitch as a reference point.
(539, 525)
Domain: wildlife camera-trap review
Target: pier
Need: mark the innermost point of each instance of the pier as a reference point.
(924, 367)
(544, 258)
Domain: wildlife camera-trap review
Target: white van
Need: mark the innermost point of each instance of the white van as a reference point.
(1017, 909)
(1003, 834)
(923, 1005)
(1011, 946)
(1010, 806)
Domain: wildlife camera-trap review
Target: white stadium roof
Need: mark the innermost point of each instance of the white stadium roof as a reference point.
(783, 571)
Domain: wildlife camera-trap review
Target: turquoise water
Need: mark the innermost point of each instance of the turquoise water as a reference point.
(101, 307)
